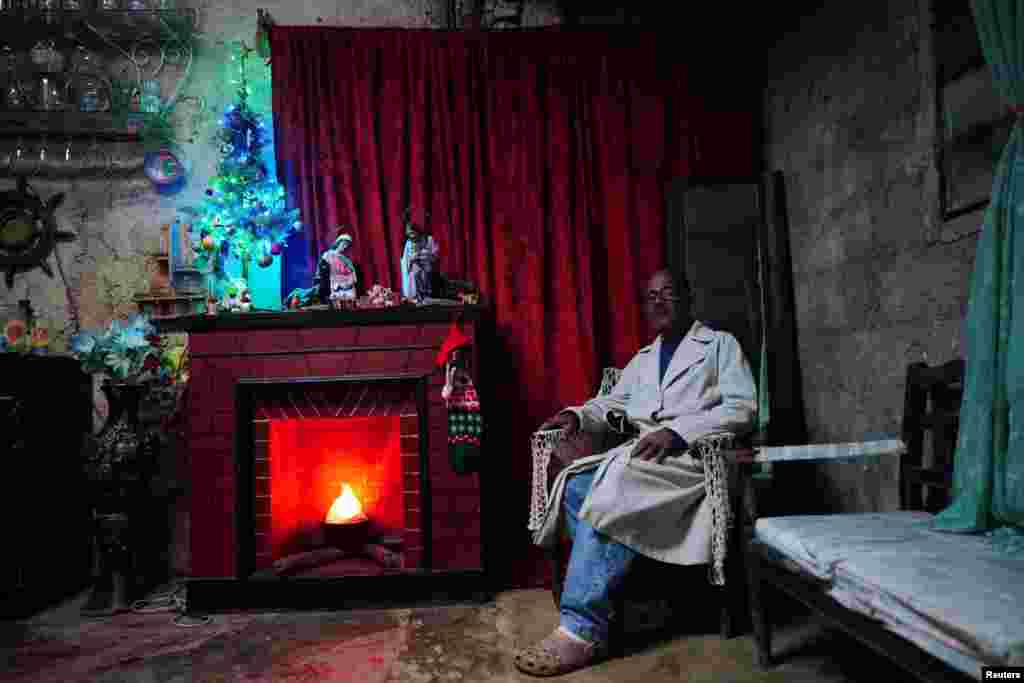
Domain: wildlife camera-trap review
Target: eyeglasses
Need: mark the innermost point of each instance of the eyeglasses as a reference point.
(667, 295)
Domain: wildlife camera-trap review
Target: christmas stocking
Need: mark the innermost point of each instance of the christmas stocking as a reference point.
(465, 424)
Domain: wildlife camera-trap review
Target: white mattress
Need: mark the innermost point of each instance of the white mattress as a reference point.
(950, 594)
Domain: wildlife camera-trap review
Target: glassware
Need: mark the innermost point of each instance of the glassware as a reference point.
(85, 60)
(137, 5)
(151, 96)
(109, 4)
(12, 96)
(50, 93)
(94, 94)
(73, 5)
(47, 57)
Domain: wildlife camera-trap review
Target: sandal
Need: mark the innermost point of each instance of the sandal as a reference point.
(556, 655)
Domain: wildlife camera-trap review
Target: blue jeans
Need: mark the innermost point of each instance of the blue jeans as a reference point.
(597, 566)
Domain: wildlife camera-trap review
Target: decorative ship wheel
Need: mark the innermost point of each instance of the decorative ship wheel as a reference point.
(28, 231)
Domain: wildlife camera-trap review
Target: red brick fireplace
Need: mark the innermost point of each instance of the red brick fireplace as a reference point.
(287, 408)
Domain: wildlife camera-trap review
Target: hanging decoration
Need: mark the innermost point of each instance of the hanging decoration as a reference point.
(28, 231)
(244, 214)
(165, 170)
(465, 422)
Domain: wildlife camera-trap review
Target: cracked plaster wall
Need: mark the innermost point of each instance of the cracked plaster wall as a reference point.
(880, 280)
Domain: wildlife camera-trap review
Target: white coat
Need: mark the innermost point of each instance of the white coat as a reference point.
(661, 509)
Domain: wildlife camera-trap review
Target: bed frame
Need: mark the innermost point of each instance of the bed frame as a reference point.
(932, 403)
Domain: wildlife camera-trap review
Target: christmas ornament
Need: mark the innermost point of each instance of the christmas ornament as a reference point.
(265, 261)
(275, 248)
(163, 168)
(465, 422)
(208, 243)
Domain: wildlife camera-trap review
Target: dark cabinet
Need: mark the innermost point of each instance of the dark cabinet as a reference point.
(45, 414)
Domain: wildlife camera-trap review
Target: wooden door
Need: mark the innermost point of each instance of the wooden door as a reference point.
(730, 236)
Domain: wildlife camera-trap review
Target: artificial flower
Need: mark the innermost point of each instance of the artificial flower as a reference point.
(83, 343)
(14, 331)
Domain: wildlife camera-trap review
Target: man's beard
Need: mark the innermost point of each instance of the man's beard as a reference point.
(662, 320)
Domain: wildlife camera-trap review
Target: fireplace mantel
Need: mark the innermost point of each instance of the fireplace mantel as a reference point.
(230, 352)
(270, 320)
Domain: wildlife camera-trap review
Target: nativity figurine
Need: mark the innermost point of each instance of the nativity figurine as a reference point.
(337, 274)
(419, 262)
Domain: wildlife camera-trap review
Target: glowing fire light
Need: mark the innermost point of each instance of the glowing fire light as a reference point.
(346, 508)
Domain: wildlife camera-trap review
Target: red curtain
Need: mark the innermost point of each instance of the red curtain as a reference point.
(542, 158)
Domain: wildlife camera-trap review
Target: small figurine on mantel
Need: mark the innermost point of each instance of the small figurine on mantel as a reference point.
(419, 261)
(337, 274)
(236, 296)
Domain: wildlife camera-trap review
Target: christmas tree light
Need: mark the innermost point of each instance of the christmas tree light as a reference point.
(245, 212)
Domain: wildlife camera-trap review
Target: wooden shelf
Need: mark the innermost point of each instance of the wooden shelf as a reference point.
(63, 124)
(167, 297)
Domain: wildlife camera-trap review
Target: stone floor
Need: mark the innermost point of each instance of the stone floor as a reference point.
(463, 643)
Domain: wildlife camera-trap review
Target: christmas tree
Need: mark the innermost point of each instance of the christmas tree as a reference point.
(244, 214)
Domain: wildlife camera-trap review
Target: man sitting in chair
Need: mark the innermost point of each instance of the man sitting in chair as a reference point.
(647, 496)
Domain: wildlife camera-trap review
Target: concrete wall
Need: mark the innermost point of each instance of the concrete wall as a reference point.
(880, 280)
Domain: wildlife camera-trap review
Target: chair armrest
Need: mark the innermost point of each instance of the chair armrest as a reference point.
(543, 443)
(739, 456)
(829, 451)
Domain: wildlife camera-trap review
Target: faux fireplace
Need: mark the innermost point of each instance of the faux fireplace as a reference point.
(329, 476)
(318, 458)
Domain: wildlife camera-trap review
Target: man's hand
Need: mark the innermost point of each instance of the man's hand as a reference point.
(566, 420)
(656, 445)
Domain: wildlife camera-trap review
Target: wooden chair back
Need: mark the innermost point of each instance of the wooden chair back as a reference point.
(931, 418)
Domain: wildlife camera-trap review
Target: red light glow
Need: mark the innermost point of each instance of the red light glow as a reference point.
(314, 460)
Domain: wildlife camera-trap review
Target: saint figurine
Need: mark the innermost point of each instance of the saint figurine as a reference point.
(419, 261)
(337, 274)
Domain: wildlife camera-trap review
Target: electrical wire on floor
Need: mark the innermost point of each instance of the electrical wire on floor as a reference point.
(173, 600)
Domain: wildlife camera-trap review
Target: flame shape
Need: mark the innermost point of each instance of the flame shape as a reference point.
(346, 508)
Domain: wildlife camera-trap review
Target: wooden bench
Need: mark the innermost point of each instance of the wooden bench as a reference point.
(939, 605)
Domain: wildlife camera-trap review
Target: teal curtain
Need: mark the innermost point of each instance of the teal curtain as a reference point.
(989, 461)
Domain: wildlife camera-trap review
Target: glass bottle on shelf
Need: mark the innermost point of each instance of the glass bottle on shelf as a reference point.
(109, 4)
(137, 5)
(13, 96)
(50, 93)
